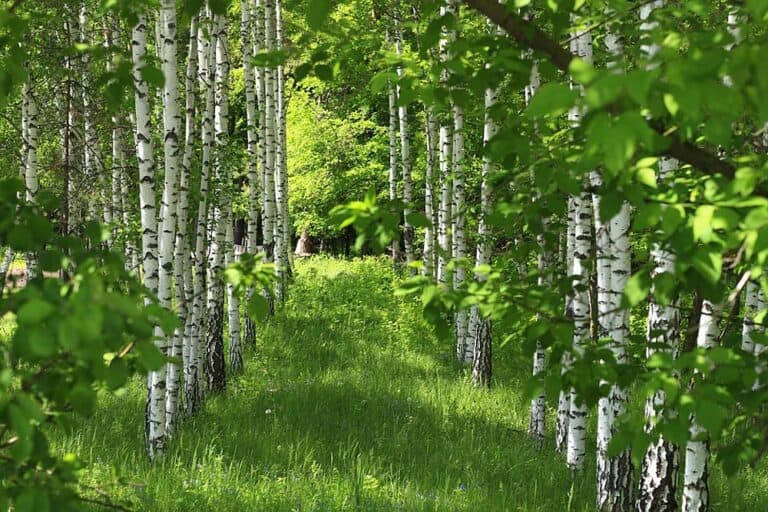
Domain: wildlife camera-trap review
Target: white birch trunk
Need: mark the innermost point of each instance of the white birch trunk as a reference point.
(193, 386)
(405, 156)
(479, 329)
(169, 205)
(250, 43)
(270, 207)
(94, 173)
(695, 480)
(464, 348)
(750, 310)
(220, 217)
(31, 181)
(445, 141)
(577, 417)
(393, 121)
(614, 474)
(430, 210)
(155, 415)
(233, 303)
(282, 223)
(564, 400)
(117, 208)
(182, 261)
(537, 424)
(659, 470)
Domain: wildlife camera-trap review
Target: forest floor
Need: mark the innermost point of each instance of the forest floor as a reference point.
(349, 402)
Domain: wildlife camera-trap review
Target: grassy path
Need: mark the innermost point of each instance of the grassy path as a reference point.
(348, 403)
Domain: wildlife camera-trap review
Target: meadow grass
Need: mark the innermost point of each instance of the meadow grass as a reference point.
(349, 402)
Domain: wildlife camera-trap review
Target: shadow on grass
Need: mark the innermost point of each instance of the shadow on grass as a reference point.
(347, 405)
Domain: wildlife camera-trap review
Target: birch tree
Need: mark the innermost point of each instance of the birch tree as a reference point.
(169, 205)
(537, 426)
(613, 266)
(695, 480)
(405, 150)
(29, 135)
(577, 416)
(564, 400)
(184, 293)
(430, 209)
(479, 329)
(445, 141)
(93, 168)
(249, 38)
(282, 221)
(393, 122)
(220, 214)
(659, 469)
(155, 415)
(198, 342)
(267, 122)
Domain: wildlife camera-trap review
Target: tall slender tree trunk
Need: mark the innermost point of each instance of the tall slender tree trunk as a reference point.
(445, 141)
(94, 172)
(117, 207)
(250, 44)
(564, 399)
(393, 122)
(171, 346)
(268, 122)
(220, 218)
(233, 300)
(31, 181)
(659, 470)
(430, 210)
(182, 261)
(658, 482)
(282, 222)
(405, 154)
(155, 415)
(479, 329)
(464, 347)
(206, 77)
(696, 476)
(537, 425)
(613, 263)
(577, 417)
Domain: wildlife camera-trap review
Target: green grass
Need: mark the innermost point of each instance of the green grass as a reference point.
(349, 403)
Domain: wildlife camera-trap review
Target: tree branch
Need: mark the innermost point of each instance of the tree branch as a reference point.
(530, 36)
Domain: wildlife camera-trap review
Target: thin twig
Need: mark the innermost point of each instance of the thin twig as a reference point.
(733, 302)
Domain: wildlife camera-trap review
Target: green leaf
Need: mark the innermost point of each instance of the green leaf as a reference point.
(83, 399)
(551, 99)
(317, 13)
(381, 80)
(637, 289)
(646, 176)
(610, 205)
(258, 307)
(582, 71)
(671, 103)
(153, 76)
(150, 356)
(709, 264)
(702, 223)
(34, 311)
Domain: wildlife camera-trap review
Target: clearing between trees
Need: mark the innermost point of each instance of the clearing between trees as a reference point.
(351, 403)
